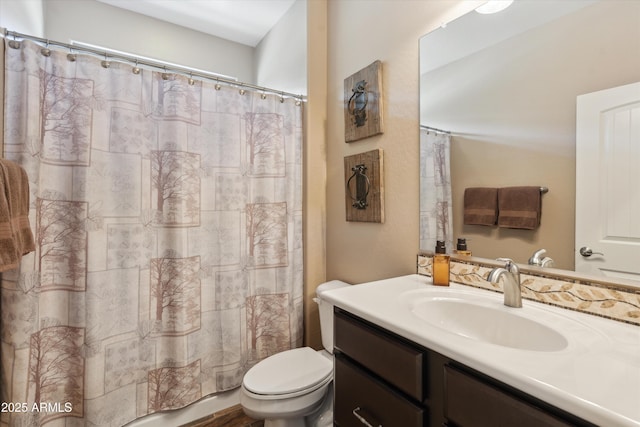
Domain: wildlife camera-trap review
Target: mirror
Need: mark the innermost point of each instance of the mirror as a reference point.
(505, 87)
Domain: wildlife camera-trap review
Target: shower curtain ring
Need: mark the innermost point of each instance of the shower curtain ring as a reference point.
(135, 69)
(14, 44)
(45, 51)
(105, 63)
(71, 57)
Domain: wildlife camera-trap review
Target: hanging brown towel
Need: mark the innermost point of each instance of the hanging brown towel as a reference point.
(519, 207)
(480, 206)
(16, 238)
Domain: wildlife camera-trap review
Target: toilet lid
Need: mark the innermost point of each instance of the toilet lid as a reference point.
(288, 372)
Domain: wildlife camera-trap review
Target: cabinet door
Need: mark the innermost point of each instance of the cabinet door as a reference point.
(470, 402)
(398, 362)
(362, 399)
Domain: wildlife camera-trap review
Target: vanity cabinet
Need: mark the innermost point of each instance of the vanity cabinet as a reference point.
(382, 379)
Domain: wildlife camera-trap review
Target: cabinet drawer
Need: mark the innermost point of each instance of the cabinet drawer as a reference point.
(397, 362)
(472, 402)
(359, 395)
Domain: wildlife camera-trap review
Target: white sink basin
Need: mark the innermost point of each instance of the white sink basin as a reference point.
(490, 322)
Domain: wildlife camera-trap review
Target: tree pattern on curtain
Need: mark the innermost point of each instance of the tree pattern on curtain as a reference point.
(436, 208)
(168, 227)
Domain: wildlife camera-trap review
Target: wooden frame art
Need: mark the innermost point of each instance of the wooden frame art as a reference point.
(363, 103)
(364, 187)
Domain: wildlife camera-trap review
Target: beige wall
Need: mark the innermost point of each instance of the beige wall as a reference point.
(23, 16)
(315, 206)
(100, 24)
(360, 32)
(280, 57)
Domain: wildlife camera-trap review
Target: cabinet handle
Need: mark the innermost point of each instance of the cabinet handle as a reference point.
(362, 419)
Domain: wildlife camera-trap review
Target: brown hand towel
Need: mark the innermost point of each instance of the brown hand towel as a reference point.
(480, 206)
(519, 207)
(16, 238)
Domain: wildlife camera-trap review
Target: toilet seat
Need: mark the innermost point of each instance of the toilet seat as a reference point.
(287, 374)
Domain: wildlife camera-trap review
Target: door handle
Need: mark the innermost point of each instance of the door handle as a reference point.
(586, 252)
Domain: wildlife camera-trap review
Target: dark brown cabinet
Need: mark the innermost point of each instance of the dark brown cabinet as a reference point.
(382, 379)
(364, 399)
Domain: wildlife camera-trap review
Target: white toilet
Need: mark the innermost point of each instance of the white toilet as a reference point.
(291, 388)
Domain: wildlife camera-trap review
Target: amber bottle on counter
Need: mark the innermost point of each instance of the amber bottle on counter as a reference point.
(440, 272)
(461, 247)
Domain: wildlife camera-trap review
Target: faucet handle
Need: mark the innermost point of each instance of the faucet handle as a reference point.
(510, 266)
(505, 260)
(546, 262)
(537, 257)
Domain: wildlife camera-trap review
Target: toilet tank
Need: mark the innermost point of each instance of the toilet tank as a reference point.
(326, 312)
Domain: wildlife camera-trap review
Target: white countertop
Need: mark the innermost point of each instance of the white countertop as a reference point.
(596, 377)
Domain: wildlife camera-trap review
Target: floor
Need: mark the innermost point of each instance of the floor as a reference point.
(231, 417)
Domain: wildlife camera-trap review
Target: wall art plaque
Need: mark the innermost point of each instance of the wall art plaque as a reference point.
(363, 107)
(364, 187)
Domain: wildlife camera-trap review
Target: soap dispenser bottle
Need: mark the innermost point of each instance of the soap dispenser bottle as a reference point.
(440, 272)
(461, 247)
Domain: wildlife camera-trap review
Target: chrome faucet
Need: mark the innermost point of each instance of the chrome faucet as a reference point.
(538, 258)
(511, 273)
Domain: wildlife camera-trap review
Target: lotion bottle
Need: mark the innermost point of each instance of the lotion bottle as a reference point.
(461, 247)
(440, 272)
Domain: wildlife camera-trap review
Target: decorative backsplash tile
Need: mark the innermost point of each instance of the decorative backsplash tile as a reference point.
(617, 303)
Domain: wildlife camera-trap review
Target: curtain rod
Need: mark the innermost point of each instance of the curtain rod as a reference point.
(149, 63)
(435, 129)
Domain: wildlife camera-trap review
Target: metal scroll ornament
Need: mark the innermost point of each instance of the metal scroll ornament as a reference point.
(362, 185)
(358, 103)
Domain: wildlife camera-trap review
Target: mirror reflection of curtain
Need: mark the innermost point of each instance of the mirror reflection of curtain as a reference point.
(436, 213)
(167, 220)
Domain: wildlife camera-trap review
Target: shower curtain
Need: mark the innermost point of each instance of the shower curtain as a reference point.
(436, 208)
(167, 215)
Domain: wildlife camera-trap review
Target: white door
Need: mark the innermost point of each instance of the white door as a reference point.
(608, 183)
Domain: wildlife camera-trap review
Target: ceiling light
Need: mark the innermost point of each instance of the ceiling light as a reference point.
(494, 6)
